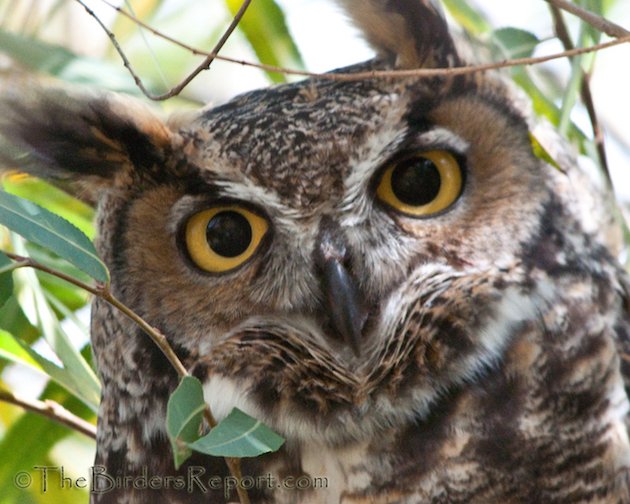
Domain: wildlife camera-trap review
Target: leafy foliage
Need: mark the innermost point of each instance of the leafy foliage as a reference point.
(238, 435)
(6, 281)
(40, 226)
(183, 417)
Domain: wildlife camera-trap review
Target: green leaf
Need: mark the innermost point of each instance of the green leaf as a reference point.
(52, 199)
(541, 153)
(467, 16)
(72, 296)
(184, 413)
(6, 279)
(14, 350)
(51, 231)
(76, 374)
(515, 43)
(239, 435)
(266, 30)
(13, 320)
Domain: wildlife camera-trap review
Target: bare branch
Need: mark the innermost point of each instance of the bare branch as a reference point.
(205, 65)
(599, 23)
(52, 410)
(27, 262)
(119, 50)
(375, 74)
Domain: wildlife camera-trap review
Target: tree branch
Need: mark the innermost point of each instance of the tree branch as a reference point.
(27, 262)
(205, 65)
(599, 23)
(375, 74)
(52, 410)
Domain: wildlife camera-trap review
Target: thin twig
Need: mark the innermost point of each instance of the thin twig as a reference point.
(205, 65)
(27, 262)
(52, 410)
(587, 97)
(12, 267)
(119, 50)
(374, 74)
(599, 23)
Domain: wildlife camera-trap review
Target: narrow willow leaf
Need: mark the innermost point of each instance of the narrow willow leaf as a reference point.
(508, 43)
(51, 231)
(183, 417)
(6, 279)
(515, 43)
(541, 153)
(467, 16)
(14, 350)
(52, 199)
(239, 435)
(77, 374)
(266, 30)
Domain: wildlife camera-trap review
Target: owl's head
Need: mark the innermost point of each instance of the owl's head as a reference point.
(332, 255)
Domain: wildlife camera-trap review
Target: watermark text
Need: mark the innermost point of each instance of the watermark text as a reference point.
(194, 480)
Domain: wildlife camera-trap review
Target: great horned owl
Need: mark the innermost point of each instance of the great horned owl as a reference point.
(379, 269)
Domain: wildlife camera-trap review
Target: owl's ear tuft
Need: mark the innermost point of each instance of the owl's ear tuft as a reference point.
(74, 134)
(414, 31)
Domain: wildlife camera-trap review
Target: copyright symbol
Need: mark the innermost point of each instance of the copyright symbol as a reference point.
(23, 479)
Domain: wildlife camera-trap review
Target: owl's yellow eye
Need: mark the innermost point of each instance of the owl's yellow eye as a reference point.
(421, 185)
(222, 238)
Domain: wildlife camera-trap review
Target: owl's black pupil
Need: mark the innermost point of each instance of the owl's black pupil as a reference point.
(229, 234)
(416, 181)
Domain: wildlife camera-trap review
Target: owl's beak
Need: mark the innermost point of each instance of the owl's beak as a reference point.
(343, 297)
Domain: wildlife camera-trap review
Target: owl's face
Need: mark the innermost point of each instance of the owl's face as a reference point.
(336, 216)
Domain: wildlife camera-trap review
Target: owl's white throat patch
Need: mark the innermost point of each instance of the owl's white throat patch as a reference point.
(224, 394)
